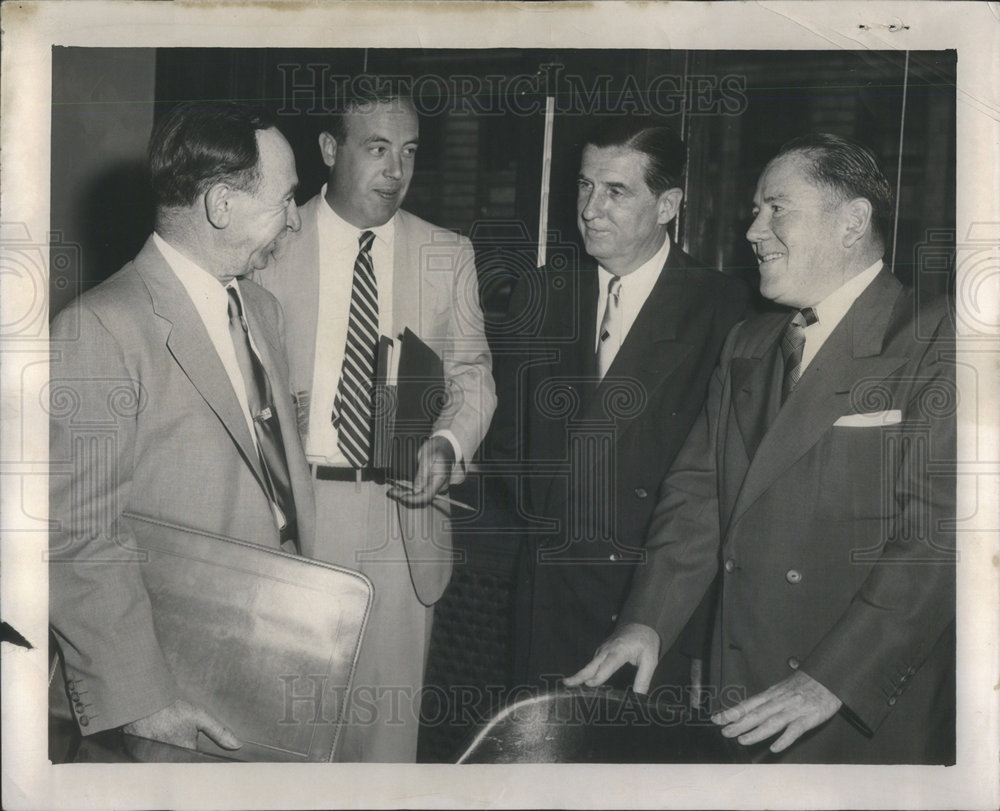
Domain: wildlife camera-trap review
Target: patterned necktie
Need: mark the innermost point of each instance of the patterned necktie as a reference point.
(609, 338)
(270, 445)
(352, 405)
(793, 342)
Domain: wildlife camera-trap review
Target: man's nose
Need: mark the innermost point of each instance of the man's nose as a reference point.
(758, 229)
(394, 167)
(292, 218)
(592, 205)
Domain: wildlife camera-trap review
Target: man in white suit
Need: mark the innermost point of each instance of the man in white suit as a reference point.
(160, 382)
(362, 268)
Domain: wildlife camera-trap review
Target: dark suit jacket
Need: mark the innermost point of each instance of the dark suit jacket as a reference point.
(835, 530)
(595, 452)
(145, 425)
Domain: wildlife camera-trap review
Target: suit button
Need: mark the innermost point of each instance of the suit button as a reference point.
(793, 663)
(79, 708)
(640, 492)
(892, 701)
(793, 576)
(75, 695)
(84, 720)
(614, 618)
(730, 565)
(612, 557)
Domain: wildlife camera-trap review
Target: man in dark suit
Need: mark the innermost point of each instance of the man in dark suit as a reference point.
(821, 472)
(170, 401)
(617, 368)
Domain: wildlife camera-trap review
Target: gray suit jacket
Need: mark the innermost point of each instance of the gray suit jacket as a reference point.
(436, 295)
(145, 427)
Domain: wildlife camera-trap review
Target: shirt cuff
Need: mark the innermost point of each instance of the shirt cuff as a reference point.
(458, 470)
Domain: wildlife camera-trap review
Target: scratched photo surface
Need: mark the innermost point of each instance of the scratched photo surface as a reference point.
(612, 495)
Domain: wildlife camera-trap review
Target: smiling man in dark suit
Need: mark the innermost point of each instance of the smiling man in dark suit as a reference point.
(616, 371)
(822, 472)
(171, 405)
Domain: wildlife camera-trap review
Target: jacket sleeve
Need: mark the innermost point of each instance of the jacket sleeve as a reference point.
(471, 394)
(684, 535)
(908, 599)
(99, 608)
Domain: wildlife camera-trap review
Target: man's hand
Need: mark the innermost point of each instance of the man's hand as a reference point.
(435, 460)
(795, 705)
(179, 723)
(633, 644)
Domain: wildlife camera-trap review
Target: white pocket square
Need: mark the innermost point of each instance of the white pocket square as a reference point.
(871, 419)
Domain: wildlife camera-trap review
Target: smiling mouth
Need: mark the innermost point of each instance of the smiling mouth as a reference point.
(768, 257)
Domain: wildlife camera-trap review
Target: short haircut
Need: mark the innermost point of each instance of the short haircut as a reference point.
(848, 169)
(364, 90)
(198, 144)
(658, 142)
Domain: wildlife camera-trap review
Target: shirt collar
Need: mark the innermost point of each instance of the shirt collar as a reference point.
(332, 223)
(644, 275)
(201, 285)
(833, 308)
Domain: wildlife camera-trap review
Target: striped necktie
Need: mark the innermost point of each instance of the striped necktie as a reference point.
(609, 339)
(352, 405)
(793, 342)
(270, 445)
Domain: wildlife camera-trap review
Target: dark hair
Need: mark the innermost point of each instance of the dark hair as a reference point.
(658, 142)
(198, 144)
(364, 90)
(848, 169)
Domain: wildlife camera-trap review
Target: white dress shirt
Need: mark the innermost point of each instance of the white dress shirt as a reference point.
(211, 301)
(338, 250)
(831, 311)
(635, 289)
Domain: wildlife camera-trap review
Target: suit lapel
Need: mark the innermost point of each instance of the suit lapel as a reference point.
(577, 362)
(850, 354)
(756, 386)
(651, 350)
(188, 342)
(406, 277)
(301, 292)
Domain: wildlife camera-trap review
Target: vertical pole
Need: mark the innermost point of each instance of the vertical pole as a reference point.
(899, 163)
(687, 152)
(543, 208)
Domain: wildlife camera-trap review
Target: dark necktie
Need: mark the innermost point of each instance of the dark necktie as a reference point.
(270, 446)
(793, 342)
(609, 338)
(352, 405)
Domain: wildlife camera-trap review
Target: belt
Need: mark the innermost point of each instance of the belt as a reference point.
(349, 474)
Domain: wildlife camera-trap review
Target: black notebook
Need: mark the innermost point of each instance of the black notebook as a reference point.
(406, 412)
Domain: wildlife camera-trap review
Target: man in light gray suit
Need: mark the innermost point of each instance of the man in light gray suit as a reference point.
(360, 269)
(160, 382)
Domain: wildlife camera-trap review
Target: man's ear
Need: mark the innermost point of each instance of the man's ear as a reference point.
(219, 205)
(857, 220)
(668, 205)
(328, 148)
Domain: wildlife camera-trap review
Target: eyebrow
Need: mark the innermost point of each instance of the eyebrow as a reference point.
(381, 139)
(615, 184)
